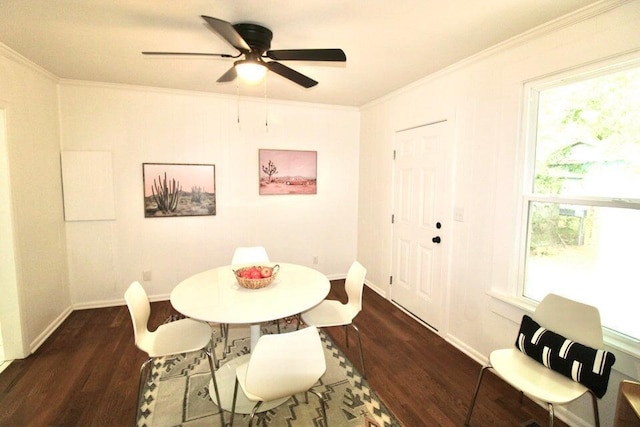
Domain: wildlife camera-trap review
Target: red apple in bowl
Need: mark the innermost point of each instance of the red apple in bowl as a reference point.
(265, 272)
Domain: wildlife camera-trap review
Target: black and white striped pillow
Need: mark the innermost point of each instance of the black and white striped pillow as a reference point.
(588, 366)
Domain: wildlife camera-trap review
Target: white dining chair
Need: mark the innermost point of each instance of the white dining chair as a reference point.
(176, 337)
(281, 365)
(570, 319)
(249, 254)
(333, 313)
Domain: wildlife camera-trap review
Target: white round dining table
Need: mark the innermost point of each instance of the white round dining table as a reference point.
(215, 296)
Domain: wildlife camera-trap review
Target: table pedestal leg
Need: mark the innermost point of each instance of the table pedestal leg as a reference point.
(255, 335)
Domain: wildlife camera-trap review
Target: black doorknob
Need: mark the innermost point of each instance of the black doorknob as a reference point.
(436, 239)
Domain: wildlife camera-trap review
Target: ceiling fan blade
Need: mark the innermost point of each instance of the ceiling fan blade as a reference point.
(219, 55)
(336, 55)
(229, 76)
(291, 74)
(228, 33)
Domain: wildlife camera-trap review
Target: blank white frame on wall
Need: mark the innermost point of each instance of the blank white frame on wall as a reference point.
(87, 182)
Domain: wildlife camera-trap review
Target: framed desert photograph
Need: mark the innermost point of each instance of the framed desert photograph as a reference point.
(288, 171)
(172, 189)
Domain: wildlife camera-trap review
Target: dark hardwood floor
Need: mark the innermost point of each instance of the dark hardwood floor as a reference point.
(86, 373)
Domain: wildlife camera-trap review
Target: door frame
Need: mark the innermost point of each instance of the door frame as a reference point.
(14, 345)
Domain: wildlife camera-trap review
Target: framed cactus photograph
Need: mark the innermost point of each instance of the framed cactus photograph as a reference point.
(173, 189)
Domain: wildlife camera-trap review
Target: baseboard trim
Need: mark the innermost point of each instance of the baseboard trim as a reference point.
(98, 304)
(4, 365)
(116, 302)
(376, 289)
(472, 353)
(40, 339)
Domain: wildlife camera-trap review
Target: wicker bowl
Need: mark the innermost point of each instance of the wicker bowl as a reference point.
(256, 283)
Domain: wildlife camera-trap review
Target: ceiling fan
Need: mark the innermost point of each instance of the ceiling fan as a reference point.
(253, 42)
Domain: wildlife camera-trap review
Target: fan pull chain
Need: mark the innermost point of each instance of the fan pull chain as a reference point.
(238, 102)
(266, 106)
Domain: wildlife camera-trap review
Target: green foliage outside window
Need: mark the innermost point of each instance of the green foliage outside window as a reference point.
(588, 134)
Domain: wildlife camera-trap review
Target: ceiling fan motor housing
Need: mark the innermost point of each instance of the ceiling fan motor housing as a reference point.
(257, 37)
(253, 41)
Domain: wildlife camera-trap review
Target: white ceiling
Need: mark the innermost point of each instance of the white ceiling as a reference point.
(388, 44)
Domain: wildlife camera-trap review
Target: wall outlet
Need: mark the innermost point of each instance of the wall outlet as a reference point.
(146, 275)
(315, 259)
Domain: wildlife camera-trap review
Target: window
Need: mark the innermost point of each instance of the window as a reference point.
(582, 194)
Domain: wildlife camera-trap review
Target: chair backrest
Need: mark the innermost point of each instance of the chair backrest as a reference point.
(574, 320)
(285, 364)
(245, 255)
(354, 285)
(140, 310)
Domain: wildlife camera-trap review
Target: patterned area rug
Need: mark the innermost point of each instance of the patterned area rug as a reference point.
(178, 393)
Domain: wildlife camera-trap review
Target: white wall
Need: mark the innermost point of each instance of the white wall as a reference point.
(483, 96)
(34, 285)
(142, 125)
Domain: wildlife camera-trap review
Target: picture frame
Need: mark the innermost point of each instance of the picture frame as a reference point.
(287, 172)
(176, 189)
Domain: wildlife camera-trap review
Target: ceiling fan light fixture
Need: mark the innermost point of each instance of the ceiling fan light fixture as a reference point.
(251, 71)
(253, 42)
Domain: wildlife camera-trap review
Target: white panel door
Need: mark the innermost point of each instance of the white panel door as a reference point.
(421, 220)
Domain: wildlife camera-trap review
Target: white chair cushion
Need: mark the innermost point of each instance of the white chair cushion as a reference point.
(524, 373)
(180, 336)
(329, 313)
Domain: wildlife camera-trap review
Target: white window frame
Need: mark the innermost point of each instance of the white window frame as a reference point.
(531, 92)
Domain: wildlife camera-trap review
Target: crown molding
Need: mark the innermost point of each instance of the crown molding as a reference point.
(7, 52)
(552, 26)
(222, 96)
